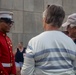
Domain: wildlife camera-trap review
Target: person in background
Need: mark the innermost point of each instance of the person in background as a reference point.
(19, 57)
(51, 52)
(7, 62)
(70, 25)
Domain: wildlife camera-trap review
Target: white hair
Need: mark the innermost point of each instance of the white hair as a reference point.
(44, 13)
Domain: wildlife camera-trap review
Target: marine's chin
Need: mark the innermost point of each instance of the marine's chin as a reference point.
(8, 31)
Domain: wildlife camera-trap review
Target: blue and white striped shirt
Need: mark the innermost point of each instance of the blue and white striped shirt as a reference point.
(50, 53)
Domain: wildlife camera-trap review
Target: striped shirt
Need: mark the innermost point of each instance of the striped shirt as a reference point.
(50, 53)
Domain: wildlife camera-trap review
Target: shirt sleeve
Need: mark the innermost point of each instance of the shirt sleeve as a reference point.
(28, 65)
(74, 64)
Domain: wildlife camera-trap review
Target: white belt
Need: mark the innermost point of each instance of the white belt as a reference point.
(7, 64)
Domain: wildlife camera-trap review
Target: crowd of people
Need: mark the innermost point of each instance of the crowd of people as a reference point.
(52, 52)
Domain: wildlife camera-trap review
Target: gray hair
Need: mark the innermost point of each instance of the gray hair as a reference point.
(54, 15)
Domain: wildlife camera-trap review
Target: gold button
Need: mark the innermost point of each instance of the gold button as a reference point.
(10, 51)
(11, 45)
(11, 64)
(3, 34)
(1, 71)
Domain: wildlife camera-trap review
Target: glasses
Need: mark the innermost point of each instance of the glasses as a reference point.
(7, 21)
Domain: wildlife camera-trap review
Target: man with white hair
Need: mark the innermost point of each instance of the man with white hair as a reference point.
(49, 52)
(7, 62)
(70, 26)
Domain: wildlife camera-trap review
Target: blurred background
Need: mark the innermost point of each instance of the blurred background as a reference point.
(28, 16)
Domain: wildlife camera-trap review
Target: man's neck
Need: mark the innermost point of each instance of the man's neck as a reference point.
(50, 27)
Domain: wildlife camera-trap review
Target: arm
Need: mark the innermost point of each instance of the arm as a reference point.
(13, 68)
(74, 64)
(28, 66)
(14, 51)
(2, 70)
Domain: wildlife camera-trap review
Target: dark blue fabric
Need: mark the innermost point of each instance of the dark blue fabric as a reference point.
(19, 55)
(75, 41)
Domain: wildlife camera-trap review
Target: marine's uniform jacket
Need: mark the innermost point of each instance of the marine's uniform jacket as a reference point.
(7, 63)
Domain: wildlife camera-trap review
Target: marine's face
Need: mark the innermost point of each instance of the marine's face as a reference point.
(5, 26)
